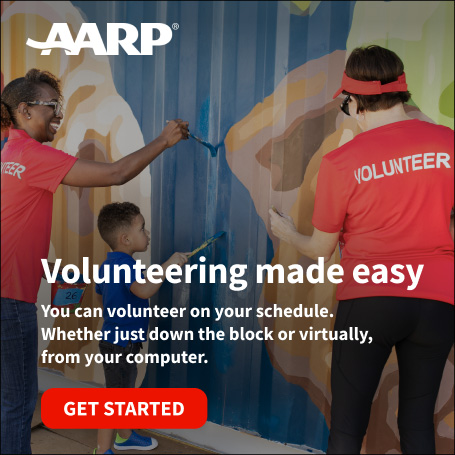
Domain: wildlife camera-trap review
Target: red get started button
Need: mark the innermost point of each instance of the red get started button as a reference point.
(124, 408)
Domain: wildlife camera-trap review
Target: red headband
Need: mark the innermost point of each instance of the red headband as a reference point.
(371, 87)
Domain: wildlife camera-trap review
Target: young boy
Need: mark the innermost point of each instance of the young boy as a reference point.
(122, 227)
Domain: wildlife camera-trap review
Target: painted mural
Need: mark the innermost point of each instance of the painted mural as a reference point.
(255, 79)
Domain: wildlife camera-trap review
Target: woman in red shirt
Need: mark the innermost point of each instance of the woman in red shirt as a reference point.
(31, 107)
(391, 191)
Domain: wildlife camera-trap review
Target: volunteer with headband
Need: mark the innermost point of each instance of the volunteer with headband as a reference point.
(391, 191)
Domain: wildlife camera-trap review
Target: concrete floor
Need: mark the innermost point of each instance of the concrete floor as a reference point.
(47, 441)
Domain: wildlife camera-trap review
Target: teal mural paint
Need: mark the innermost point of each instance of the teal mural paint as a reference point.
(212, 149)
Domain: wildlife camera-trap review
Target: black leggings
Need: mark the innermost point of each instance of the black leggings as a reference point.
(422, 332)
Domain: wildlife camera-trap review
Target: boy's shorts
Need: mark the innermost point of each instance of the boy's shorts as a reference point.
(121, 374)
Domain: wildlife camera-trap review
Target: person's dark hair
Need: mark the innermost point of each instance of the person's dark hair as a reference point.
(375, 63)
(116, 216)
(25, 89)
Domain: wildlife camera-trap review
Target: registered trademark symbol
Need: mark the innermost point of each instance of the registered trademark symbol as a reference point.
(175, 26)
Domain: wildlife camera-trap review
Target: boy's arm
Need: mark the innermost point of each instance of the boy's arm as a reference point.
(147, 289)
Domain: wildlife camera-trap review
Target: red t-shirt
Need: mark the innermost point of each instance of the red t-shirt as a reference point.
(31, 173)
(391, 190)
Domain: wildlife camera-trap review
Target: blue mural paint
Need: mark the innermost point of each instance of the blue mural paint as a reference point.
(212, 148)
(243, 26)
(212, 207)
(272, 410)
(225, 58)
(203, 122)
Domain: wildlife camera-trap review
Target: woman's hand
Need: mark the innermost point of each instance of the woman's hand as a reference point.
(282, 226)
(174, 131)
(319, 244)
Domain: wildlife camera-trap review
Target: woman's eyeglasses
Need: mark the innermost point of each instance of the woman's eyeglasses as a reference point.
(56, 105)
(344, 106)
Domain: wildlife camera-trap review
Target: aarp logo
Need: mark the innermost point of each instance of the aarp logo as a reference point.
(89, 38)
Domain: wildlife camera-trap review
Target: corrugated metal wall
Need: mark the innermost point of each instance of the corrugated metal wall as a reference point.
(255, 79)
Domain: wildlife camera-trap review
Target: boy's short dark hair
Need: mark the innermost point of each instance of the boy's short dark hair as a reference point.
(113, 217)
(375, 63)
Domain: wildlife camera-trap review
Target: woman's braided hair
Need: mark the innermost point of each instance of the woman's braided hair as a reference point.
(25, 89)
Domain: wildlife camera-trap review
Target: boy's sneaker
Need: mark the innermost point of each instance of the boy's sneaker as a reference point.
(108, 451)
(135, 442)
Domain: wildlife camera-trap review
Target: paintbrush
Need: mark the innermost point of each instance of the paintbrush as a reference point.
(212, 149)
(204, 143)
(207, 243)
(277, 211)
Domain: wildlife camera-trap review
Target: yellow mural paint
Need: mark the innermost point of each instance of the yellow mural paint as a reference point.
(448, 419)
(273, 109)
(302, 5)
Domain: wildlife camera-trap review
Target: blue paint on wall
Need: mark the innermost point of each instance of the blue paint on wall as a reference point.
(224, 59)
(237, 51)
(203, 122)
